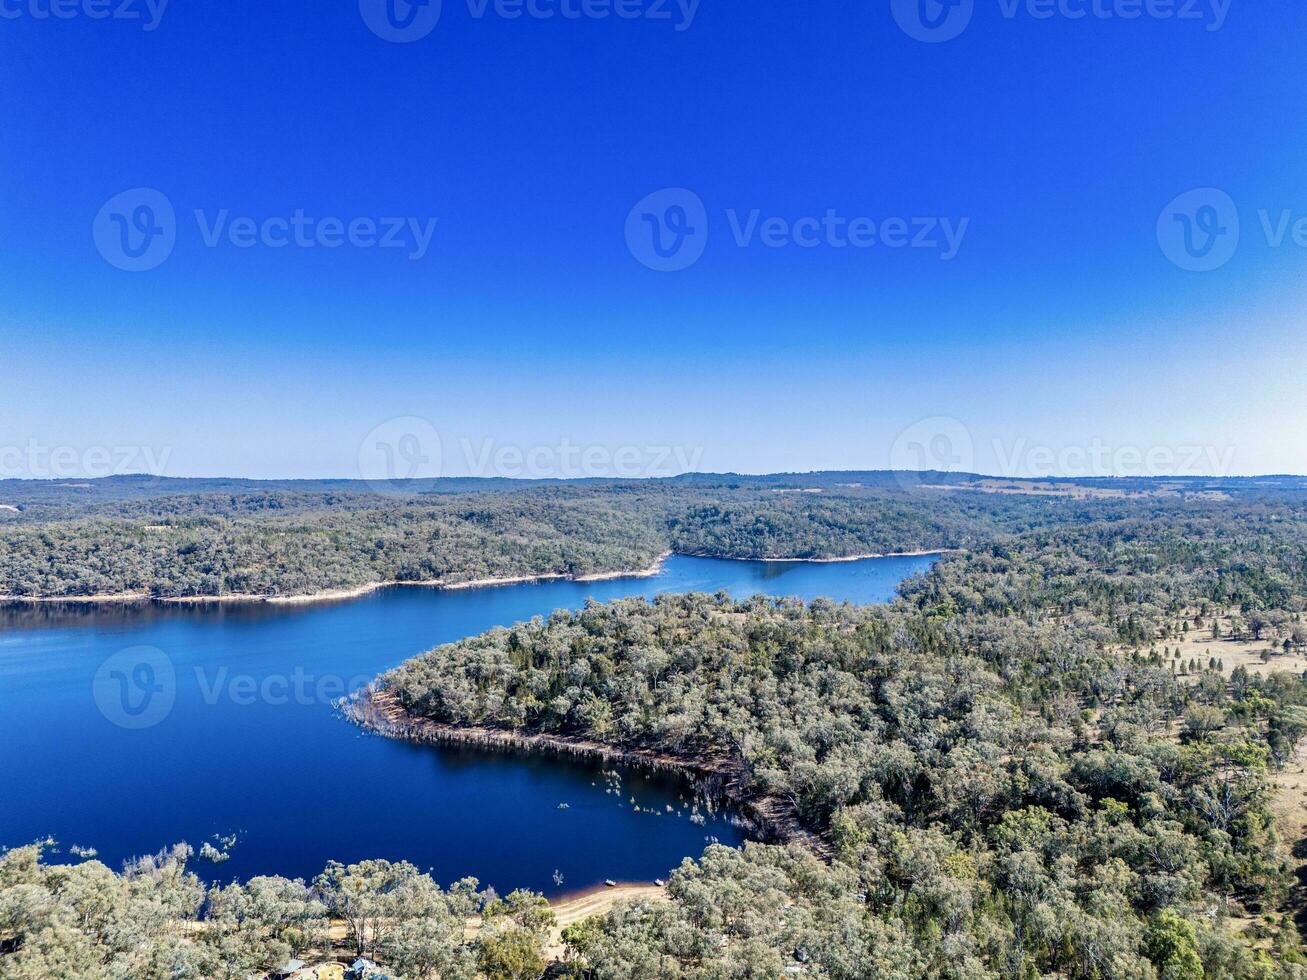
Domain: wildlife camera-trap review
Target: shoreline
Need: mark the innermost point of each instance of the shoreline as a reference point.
(775, 820)
(333, 595)
(836, 561)
(587, 892)
(359, 591)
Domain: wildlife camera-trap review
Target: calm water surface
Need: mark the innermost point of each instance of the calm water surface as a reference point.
(238, 736)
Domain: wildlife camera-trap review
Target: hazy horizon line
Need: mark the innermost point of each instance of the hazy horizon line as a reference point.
(689, 474)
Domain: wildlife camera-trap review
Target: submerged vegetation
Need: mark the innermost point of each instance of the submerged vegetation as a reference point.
(1055, 754)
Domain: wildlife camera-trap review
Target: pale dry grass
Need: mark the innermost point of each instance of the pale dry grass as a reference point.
(1290, 808)
(1290, 802)
(1198, 644)
(1075, 491)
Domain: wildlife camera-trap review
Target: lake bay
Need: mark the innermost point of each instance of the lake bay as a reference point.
(238, 736)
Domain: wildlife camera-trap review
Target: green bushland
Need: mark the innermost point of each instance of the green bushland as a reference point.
(285, 543)
(1013, 781)
(157, 921)
(1014, 774)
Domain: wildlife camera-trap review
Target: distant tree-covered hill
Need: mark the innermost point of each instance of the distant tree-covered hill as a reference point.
(280, 542)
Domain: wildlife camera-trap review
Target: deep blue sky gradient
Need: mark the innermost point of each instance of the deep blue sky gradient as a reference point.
(1060, 321)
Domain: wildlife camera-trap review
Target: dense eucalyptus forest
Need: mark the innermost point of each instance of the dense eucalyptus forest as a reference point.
(1013, 778)
(1010, 771)
(285, 543)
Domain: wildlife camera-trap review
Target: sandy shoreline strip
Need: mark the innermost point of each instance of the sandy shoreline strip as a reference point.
(358, 592)
(598, 900)
(337, 595)
(841, 561)
(623, 889)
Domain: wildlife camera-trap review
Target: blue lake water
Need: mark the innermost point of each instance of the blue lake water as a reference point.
(238, 736)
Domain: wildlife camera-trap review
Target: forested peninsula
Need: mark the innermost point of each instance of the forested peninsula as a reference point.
(1015, 775)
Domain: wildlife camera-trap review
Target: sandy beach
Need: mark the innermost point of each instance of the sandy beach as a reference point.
(598, 900)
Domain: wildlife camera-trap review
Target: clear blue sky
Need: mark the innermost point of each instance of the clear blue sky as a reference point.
(1059, 324)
